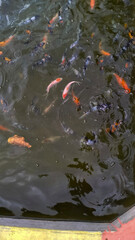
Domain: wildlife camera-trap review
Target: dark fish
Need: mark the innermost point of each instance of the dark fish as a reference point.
(37, 48)
(87, 62)
(42, 61)
(100, 107)
(88, 141)
(73, 58)
(123, 50)
(34, 108)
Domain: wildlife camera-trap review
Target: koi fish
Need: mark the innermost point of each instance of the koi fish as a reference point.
(46, 59)
(126, 65)
(28, 31)
(92, 4)
(92, 35)
(113, 127)
(1, 52)
(74, 44)
(53, 20)
(40, 45)
(7, 59)
(51, 139)
(122, 83)
(87, 62)
(130, 34)
(73, 58)
(56, 81)
(47, 109)
(76, 101)
(63, 60)
(67, 88)
(20, 141)
(76, 72)
(29, 20)
(100, 107)
(44, 41)
(102, 51)
(2, 128)
(4, 43)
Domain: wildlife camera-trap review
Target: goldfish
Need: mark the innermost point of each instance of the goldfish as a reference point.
(92, 4)
(130, 34)
(1, 52)
(102, 51)
(76, 101)
(20, 141)
(92, 35)
(57, 80)
(47, 109)
(44, 41)
(28, 31)
(122, 83)
(126, 65)
(113, 127)
(4, 43)
(67, 88)
(7, 59)
(2, 128)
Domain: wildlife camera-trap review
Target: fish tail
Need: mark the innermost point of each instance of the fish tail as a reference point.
(45, 95)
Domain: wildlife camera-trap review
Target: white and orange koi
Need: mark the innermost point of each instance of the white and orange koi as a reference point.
(56, 81)
(67, 88)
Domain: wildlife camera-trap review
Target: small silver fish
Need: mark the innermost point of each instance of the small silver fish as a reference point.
(51, 139)
(47, 109)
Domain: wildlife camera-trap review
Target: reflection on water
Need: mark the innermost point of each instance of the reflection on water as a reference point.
(75, 162)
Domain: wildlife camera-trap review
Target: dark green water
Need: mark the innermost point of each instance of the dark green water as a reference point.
(67, 177)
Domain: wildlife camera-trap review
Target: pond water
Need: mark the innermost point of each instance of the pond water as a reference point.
(81, 164)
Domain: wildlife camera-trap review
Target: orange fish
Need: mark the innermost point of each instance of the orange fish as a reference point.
(1, 52)
(113, 127)
(44, 41)
(54, 18)
(102, 51)
(92, 4)
(126, 65)
(7, 59)
(28, 31)
(130, 34)
(20, 141)
(75, 99)
(4, 43)
(92, 35)
(2, 128)
(122, 83)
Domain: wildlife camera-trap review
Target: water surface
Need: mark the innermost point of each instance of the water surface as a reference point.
(63, 175)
